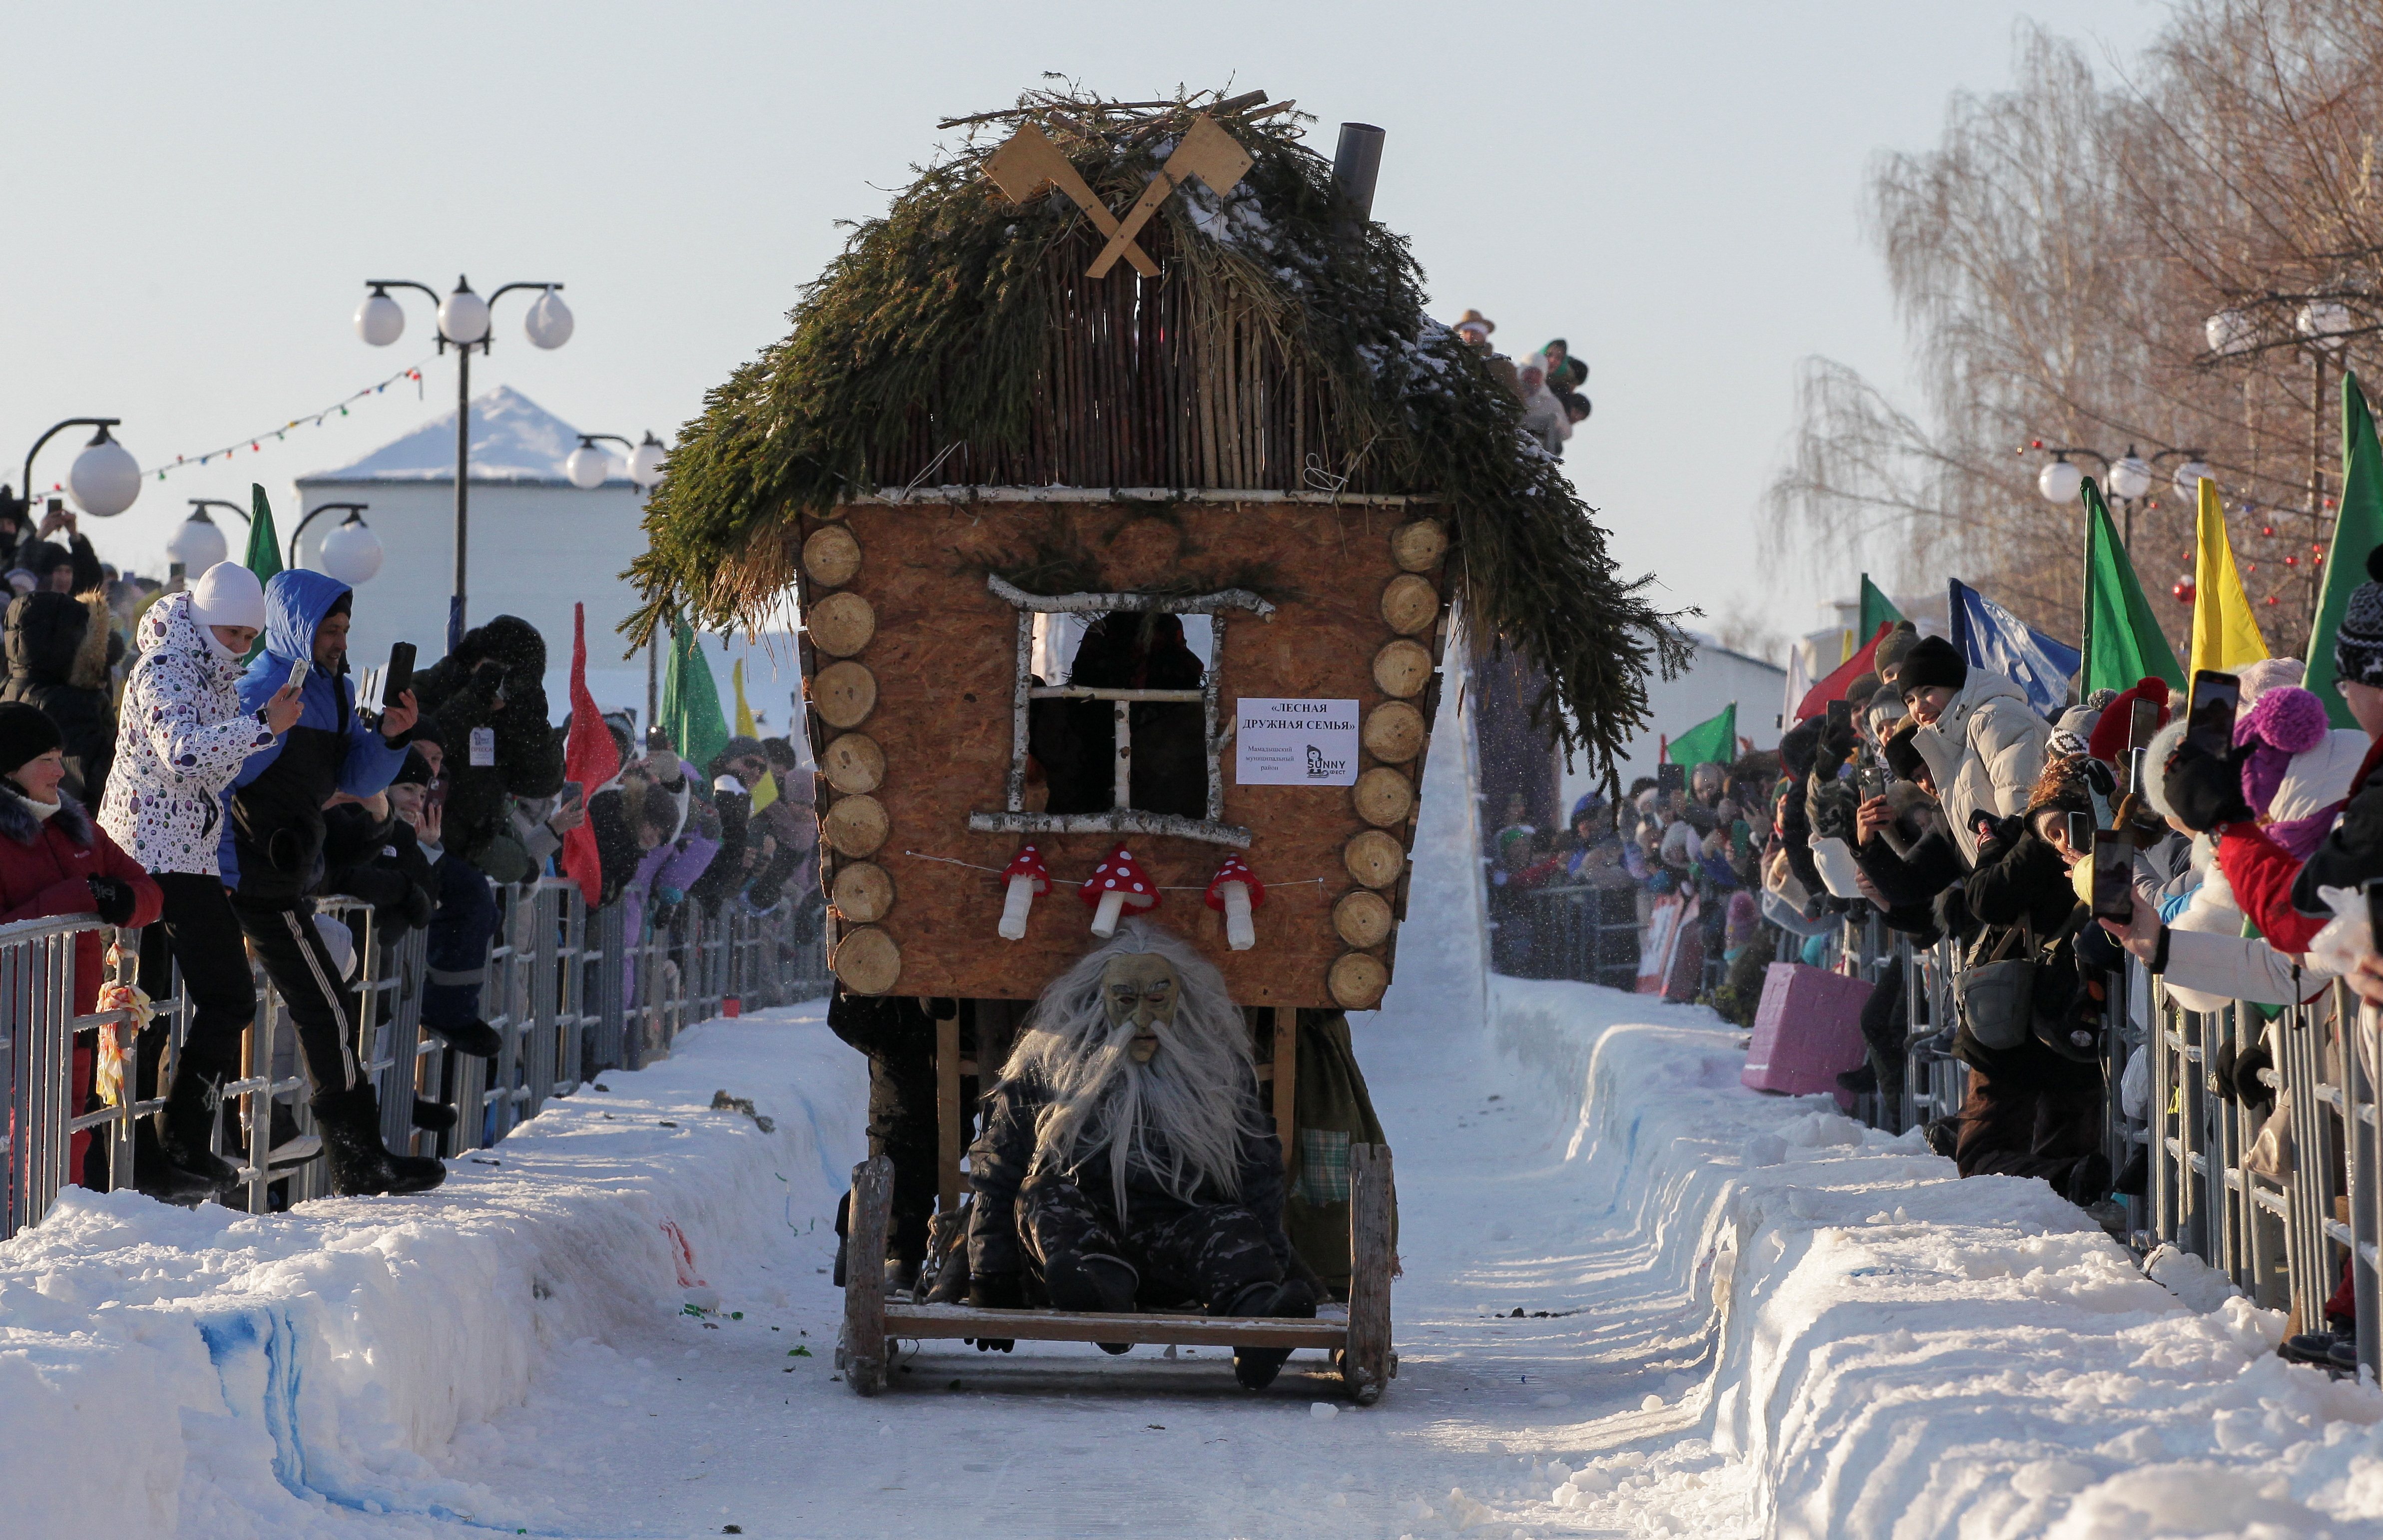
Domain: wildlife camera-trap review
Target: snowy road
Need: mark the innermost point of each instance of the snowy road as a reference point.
(683, 1428)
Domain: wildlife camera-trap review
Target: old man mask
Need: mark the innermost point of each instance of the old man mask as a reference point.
(1141, 989)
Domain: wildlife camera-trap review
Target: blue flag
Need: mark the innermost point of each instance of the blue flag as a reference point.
(1992, 637)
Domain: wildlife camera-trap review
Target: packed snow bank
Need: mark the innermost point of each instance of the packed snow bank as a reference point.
(234, 1375)
(1898, 1353)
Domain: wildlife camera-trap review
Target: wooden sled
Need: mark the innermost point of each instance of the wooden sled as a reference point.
(1361, 1340)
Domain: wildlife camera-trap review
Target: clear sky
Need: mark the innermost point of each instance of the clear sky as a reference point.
(199, 192)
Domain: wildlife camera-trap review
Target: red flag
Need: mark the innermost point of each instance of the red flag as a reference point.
(588, 757)
(1834, 687)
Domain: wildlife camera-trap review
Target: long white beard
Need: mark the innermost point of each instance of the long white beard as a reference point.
(1179, 1120)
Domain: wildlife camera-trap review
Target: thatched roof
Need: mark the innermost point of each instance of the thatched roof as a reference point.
(1283, 346)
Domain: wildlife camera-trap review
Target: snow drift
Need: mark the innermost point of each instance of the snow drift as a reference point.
(234, 1374)
(1897, 1353)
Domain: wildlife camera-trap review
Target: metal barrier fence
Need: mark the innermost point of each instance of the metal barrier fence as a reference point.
(568, 991)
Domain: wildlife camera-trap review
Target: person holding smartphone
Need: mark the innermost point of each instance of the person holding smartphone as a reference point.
(271, 855)
(1984, 744)
(182, 735)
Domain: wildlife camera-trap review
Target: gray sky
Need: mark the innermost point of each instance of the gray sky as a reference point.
(200, 190)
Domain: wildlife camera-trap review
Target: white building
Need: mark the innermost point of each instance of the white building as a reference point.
(1714, 678)
(538, 545)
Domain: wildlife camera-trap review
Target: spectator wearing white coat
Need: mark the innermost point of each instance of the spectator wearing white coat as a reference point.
(1983, 745)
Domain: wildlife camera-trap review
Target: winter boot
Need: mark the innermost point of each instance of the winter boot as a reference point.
(160, 1178)
(1256, 1367)
(475, 1038)
(2089, 1180)
(1861, 1080)
(436, 1116)
(186, 1126)
(1094, 1283)
(2135, 1181)
(360, 1162)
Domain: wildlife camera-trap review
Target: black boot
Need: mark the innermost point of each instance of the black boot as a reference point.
(1256, 1367)
(1094, 1283)
(437, 1116)
(475, 1038)
(158, 1177)
(360, 1162)
(186, 1126)
(2089, 1180)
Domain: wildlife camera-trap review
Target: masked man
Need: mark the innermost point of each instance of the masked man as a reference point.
(1126, 1159)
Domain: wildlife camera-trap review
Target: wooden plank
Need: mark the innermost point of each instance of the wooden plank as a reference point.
(1286, 1077)
(1365, 1368)
(1156, 1327)
(864, 1275)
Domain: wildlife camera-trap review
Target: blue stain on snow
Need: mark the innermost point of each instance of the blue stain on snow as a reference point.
(256, 1354)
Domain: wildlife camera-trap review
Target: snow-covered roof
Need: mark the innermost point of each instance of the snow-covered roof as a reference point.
(514, 440)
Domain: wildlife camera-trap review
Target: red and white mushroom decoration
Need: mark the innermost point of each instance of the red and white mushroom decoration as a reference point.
(1025, 876)
(1118, 883)
(1234, 892)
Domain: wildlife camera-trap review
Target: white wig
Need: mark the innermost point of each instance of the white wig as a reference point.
(1181, 1118)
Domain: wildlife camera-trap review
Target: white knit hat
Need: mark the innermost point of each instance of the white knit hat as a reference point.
(228, 593)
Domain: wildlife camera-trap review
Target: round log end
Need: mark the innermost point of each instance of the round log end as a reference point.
(844, 694)
(841, 624)
(831, 556)
(855, 825)
(863, 892)
(1394, 732)
(1357, 980)
(1410, 604)
(1402, 669)
(1384, 797)
(1363, 919)
(1374, 858)
(1417, 546)
(868, 962)
(852, 764)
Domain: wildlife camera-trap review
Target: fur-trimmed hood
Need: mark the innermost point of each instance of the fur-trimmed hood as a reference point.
(17, 822)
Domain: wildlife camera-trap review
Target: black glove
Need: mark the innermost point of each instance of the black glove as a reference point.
(409, 910)
(2205, 789)
(112, 897)
(996, 1291)
(1994, 834)
(2244, 1072)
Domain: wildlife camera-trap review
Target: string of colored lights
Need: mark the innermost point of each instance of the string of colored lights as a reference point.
(254, 442)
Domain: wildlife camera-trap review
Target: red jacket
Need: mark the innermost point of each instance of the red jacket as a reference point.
(44, 871)
(2262, 874)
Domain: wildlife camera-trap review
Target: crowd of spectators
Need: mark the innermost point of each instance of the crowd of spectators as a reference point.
(1547, 383)
(1937, 804)
(193, 760)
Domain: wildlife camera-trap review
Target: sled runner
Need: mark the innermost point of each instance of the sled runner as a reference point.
(1359, 1339)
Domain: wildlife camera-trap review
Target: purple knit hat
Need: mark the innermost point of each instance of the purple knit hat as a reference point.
(2283, 722)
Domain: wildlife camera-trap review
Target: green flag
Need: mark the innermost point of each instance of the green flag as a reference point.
(2358, 530)
(2123, 640)
(691, 701)
(1712, 742)
(1877, 610)
(263, 556)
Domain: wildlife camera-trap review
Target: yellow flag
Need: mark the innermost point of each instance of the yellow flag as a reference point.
(767, 792)
(2225, 633)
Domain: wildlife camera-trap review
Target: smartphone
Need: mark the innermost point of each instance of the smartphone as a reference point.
(2209, 724)
(2081, 830)
(2135, 758)
(574, 794)
(1873, 781)
(2142, 722)
(1670, 778)
(399, 675)
(298, 673)
(1841, 716)
(2114, 876)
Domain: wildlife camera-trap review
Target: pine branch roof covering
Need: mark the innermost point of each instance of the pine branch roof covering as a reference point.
(1283, 347)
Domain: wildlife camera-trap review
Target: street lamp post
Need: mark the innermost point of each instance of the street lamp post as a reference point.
(103, 480)
(354, 510)
(463, 324)
(198, 544)
(588, 466)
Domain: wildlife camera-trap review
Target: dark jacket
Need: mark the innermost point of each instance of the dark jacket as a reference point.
(1004, 1154)
(379, 861)
(2022, 886)
(273, 842)
(460, 929)
(59, 662)
(45, 867)
(494, 680)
